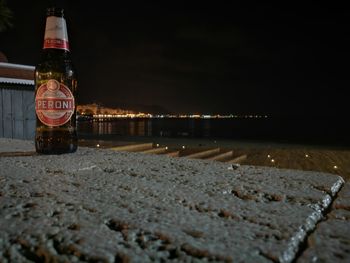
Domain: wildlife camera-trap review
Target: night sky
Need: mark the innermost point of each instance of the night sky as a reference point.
(241, 58)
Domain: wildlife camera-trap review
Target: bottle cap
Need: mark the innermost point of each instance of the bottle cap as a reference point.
(55, 11)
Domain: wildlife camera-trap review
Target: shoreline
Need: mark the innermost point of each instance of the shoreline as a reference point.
(319, 158)
(178, 142)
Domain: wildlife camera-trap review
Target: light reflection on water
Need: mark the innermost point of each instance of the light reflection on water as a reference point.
(279, 129)
(147, 127)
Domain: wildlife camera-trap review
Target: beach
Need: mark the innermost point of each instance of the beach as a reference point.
(307, 157)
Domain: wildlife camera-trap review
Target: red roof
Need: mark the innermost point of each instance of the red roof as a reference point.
(16, 71)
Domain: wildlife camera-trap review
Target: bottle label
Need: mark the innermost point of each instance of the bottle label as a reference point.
(54, 103)
(56, 33)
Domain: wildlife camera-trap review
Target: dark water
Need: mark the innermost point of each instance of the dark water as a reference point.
(284, 130)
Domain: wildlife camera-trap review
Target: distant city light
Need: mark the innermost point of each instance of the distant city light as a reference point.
(272, 160)
(166, 148)
(150, 116)
(99, 112)
(97, 145)
(306, 155)
(157, 144)
(335, 167)
(268, 156)
(183, 147)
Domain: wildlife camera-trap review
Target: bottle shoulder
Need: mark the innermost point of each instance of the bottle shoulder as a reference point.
(55, 61)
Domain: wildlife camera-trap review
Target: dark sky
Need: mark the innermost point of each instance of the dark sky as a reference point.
(244, 57)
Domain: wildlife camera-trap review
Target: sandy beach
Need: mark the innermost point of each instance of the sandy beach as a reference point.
(307, 157)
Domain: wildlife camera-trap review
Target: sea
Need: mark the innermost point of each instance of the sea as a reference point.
(292, 130)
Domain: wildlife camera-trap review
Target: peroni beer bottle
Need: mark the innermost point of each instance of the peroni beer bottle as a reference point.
(55, 90)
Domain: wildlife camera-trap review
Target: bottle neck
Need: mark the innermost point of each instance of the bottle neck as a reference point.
(56, 36)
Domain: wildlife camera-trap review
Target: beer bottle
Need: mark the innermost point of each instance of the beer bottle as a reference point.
(55, 90)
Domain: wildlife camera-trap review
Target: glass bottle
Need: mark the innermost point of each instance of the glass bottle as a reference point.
(55, 90)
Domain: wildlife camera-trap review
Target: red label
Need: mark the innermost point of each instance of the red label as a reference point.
(56, 43)
(54, 103)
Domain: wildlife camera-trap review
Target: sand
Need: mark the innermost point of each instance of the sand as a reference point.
(322, 158)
